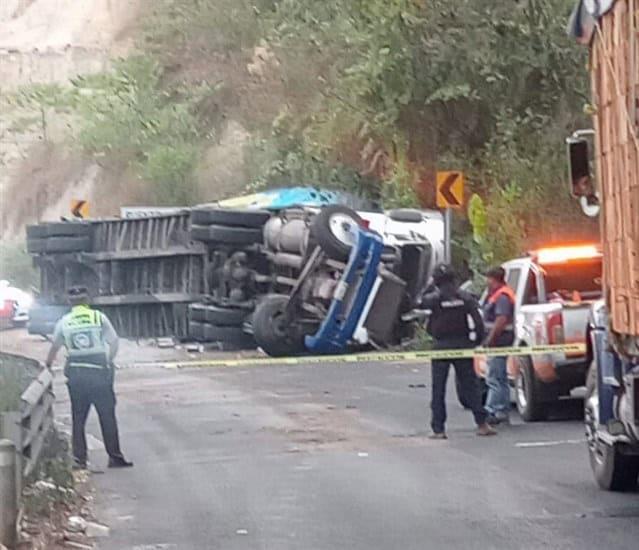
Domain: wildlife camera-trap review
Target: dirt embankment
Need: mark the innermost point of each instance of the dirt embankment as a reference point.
(45, 41)
(49, 42)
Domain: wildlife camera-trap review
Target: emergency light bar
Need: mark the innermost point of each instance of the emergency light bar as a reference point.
(562, 254)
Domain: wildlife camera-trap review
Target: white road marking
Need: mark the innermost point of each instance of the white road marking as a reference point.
(530, 444)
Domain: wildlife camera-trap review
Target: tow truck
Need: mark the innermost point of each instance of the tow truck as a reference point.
(555, 288)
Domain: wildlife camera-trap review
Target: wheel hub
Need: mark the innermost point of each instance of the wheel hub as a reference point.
(343, 228)
(280, 325)
(591, 422)
(522, 400)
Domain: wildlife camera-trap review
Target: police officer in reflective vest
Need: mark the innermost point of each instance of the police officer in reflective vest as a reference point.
(499, 311)
(450, 328)
(91, 344)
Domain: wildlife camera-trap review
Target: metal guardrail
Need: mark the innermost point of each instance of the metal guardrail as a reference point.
(29, 426)
(26, 429)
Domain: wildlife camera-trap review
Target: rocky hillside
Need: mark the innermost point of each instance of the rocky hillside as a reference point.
(48, 42)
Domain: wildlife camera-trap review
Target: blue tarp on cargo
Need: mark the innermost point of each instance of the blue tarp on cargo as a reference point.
(278, 199)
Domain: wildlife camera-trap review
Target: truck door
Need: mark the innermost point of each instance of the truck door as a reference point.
(533, 295)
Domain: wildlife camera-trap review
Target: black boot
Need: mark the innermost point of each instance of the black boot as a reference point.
(119, 462)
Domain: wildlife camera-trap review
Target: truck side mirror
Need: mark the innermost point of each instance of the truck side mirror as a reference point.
(581, 180)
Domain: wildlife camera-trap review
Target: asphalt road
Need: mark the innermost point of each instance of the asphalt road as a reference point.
(335, 457)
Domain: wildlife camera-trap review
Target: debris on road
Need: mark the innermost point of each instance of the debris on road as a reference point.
(78, 545)
(96, 530)
(76, 524)
(164, 343)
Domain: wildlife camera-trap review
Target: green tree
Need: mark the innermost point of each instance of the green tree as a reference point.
(131, 115)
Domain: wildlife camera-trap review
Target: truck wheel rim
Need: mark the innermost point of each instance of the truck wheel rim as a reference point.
(591, 422)
(279, 324)
(522, 400)
(343, 228)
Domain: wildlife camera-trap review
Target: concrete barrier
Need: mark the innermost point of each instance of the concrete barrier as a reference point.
(8, 494)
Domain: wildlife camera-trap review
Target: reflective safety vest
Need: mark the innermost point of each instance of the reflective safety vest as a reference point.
(83, 338)
(490, 316)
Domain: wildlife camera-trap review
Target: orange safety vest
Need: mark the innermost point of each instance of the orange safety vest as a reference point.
(503, 290)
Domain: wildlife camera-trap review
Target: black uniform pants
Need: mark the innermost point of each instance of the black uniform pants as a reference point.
(468, 388)
(86, 388)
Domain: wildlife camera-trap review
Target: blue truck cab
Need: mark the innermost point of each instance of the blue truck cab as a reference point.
(353, 288)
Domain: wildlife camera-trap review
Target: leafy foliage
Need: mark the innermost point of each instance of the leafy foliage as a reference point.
(213, 25)
(16, 265)
(128, 113)
(491, 88)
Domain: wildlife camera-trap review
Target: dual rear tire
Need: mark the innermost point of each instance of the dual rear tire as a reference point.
(224, 325)
(612, 468)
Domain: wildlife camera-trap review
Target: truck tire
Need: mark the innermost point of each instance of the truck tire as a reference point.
(529, 393)
(40, 328)
(406, 215)
(241, 236)
(613, 470)
(36, 246)
(67, 244)
(43, 318)
(225, 316)
(47, 313)
(273, 334)
(68, 229)
(36, 231)
(196, 330)
(234, 336)
(58, 229)
(196, 312)
(334, 229)
(233, 218)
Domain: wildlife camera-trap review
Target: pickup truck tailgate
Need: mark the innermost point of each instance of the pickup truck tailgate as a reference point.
(575, 321)
(554, 323)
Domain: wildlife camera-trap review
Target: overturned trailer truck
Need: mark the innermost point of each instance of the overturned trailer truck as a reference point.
(312, 276)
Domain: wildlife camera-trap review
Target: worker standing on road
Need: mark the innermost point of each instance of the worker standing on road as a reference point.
(448, 325)
(91, 344)
(499, 312)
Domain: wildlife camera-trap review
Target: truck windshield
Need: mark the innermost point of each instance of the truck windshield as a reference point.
(564, 280)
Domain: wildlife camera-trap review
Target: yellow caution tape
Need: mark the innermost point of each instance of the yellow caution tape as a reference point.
(390, 356)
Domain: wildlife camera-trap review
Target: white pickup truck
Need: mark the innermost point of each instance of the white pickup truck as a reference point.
(554, 288)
